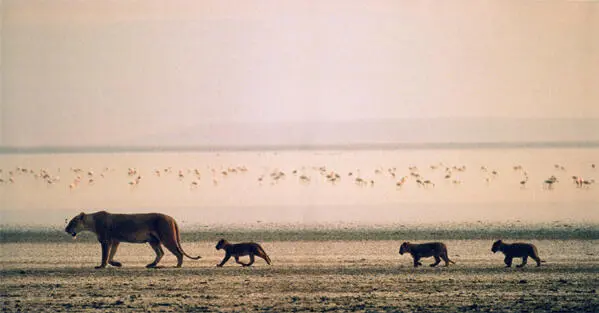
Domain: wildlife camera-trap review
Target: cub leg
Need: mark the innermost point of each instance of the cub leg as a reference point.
(417, 261)
(437, 260)
(251, 260)
(524, 259)
(225, 259)
(239, 262)
(446, 259)
(508, 261)
(537, 259)
(113, 248)
(155, 244)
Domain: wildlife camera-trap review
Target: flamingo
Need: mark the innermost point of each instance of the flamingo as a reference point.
(523, 182)
(549, 182)
(577, 180)
(400, 182)
(428, 182)
(360, 181)
(304, 178)
(588, 182)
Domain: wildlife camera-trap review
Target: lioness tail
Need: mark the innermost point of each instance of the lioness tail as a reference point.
(179, 244)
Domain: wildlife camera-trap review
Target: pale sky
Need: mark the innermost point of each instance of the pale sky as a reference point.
(120, 72)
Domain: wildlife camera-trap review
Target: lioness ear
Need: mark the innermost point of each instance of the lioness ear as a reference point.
(81, 215)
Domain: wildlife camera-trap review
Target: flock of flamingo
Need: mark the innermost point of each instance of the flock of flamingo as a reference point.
(305, 175)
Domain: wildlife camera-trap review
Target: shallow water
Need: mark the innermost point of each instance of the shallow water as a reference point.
(239, 197)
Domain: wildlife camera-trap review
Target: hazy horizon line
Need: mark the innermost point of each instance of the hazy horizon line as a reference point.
(56, 149)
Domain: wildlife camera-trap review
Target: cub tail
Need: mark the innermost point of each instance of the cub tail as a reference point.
(264, 255)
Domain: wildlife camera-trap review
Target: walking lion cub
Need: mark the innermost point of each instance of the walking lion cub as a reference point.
(241, 249)
(438, 250)
(517, 250)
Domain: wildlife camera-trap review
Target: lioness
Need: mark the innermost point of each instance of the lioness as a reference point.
(241, 249)
(517, 250)
(425, 250)
(112, 229)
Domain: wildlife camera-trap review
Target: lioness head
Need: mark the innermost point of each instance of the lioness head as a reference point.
(76, 225)
(221, 244)
(496, 246)
(405, 248)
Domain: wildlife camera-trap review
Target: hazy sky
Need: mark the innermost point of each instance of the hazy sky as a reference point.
(106, 72)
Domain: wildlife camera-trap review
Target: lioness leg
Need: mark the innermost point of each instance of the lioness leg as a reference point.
(537, 259)
(155, 244)
(174, 249)
(437, 260)
(115, 245)
(105, 252)
(508, 261)
(524, 259)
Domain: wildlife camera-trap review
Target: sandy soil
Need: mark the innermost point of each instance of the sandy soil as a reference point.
(362, 276)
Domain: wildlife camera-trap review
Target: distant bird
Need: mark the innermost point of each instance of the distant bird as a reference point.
(577, 180)
(360, 181)
(304, 178)
(588, 182)
(549, 182)
(428, 182)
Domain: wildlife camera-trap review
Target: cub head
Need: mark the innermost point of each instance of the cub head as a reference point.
(221, 244)
(496, 245)
(404, 248)
(76, 225)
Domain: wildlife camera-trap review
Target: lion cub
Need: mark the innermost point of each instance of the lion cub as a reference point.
(425, 250)
(241, 249)
(517, 250)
